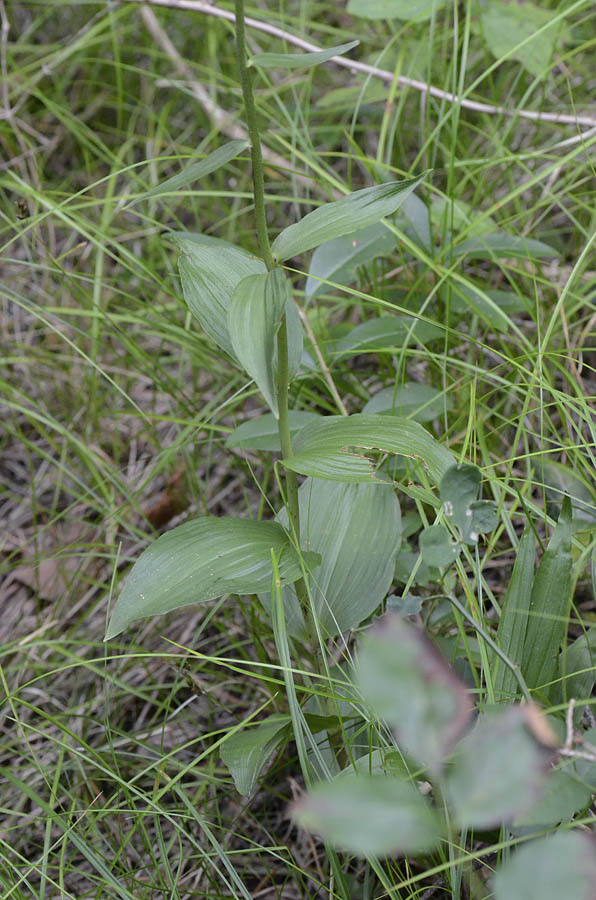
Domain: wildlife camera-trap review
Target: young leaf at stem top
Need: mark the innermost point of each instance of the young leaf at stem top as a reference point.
(299, 60)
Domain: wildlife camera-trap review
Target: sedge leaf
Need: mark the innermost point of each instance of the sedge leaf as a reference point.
(332, 220)
(202, 560)
(511, 634)
(299, 60)
(550, 603)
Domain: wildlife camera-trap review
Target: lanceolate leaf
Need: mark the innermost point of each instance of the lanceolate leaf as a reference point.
(370, 815)
(503, 245)
(412, 400)
(332, 220)
(409, 686)
(247, 752)
(323, 449)
(256, 310)
(337, 260)
(560, 865)
(202, 560)
(356, 530)
(407, 10)
(524, 31)
(263, 433)
(211, 270)
(511, 634)
(196, 170)
(388, 332)
(548, 615)
(299, 60)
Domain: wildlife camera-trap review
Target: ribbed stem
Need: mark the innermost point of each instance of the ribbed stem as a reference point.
(291, 480)
(255, 141)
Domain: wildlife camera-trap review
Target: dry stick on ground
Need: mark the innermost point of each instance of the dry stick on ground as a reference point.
(200, 6)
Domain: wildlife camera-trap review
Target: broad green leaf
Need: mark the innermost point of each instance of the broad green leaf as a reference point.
(511, 634)
(578, 667)
(333, 220)
(436, 546)
(550, 604)
(388, 332)
(456, 215)
(247, 752)
(507, 25)
(370, 815)
(498, 771)
(562, 865)
(493, 307)
(202, 560)
(417, 224)
(196, 170)
(459, 489)
(337, 260)
(407, 10)
(370, 91)
(503, 245)
(356, 530)
(408, 685)
(563, 796)
(211, 270)
(412, 400)
(323, 449)
(262, 433)
(254, 316)
(298, 60)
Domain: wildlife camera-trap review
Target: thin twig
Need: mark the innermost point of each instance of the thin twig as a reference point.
(209, 9)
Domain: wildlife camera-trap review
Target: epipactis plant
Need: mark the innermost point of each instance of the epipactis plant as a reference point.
(327, 562)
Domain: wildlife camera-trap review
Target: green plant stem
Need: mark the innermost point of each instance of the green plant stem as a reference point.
(255, 140)
(291, 480)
